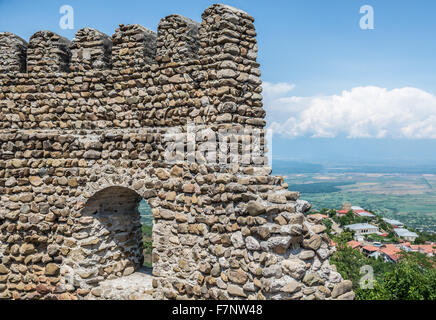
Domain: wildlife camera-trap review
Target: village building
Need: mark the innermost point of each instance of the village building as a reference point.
(341, 213)
(390, 253)
(354, 244)
(371, 251)
(346, 206)
(394, 223)
(427, 249)
(363, 214)
(406, 234)
(361, 229)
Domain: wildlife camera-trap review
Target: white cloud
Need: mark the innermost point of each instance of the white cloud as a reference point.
(275, 89)
(363, 112)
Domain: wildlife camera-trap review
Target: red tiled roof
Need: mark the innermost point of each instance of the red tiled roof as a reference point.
(391, 251)
(426, 248)
(354, 244)
(341, 211)
(370, 248)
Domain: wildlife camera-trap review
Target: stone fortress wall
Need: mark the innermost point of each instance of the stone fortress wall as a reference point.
(82, 141)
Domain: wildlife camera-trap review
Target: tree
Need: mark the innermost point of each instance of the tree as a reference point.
(328, 224)
(331, 213)
(378, 292)
(414, 278)
(348, 261)
(324, 211)
(423, 237)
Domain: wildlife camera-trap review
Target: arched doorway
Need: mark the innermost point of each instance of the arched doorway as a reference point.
(121, 223)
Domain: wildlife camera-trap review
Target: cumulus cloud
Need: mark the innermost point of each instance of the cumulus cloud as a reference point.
(363, 112)
(277, 89)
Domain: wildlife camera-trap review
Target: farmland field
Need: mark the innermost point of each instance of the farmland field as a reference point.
(410, 198)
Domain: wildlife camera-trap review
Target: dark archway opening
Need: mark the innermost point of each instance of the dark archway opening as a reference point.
(117, 252)
(121, 232)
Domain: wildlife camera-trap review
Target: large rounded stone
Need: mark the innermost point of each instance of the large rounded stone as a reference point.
(341, 288)
(255, 208)
(294, 267)
(252, 243)
(52, 269)
(313, 242)
(238, 276)
(35, 181)
(235, 290)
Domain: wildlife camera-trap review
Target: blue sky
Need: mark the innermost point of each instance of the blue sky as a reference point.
(327, 81)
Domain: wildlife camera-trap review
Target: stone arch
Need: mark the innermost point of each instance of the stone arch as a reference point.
(114, 221)
(108, 244)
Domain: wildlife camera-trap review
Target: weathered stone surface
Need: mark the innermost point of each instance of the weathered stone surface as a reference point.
(237, 240)
(237, 276)
(235, 290)
(279, 244)
(292, 286)
(342, 288)
(3, 269)
(313, 242)
(347, 296)
(27, 249)
(252, 243)
(92, 154)
(294, 267)
(52, 269)
(312, 279)
(318, 228)
(255, 208)
(272, 271)
(162, 174)
(306, 254)
(35, 181)
(277, 198)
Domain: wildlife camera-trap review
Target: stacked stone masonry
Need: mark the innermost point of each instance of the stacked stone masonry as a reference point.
(83, 139)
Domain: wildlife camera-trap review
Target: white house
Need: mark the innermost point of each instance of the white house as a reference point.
(354, 208)
(362, 228)
(405, 234)
(393, 222)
